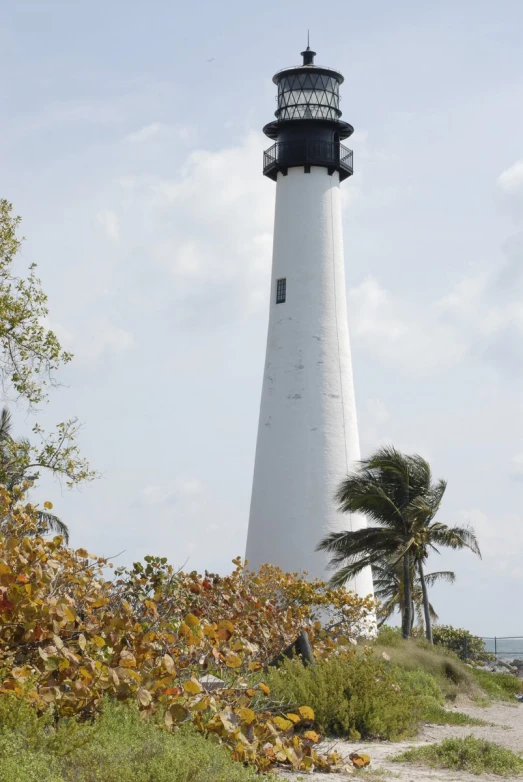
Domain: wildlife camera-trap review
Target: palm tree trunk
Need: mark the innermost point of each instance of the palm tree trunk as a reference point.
(407, 597)
(426, 604)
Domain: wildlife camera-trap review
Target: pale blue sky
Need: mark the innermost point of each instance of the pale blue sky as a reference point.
(131, 146)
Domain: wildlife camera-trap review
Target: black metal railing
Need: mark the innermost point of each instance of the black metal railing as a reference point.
(307, 152)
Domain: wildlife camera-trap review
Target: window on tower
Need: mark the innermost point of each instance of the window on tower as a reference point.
(281, 290)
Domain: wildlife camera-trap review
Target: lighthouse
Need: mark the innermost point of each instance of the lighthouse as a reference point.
(308, 431)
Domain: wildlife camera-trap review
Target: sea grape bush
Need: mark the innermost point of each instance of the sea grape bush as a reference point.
(151, 635)
(459, 641)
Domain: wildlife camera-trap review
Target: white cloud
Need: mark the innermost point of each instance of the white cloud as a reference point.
(399, 333)
(517, 466)
(493, 535)
(185, 489)
(474, 316)
(209, 229)
(372, 418)
(157, 129)
(110, 223)
(511, 180)
(101, 336)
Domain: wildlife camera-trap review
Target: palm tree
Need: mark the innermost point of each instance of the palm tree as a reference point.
(12, 474)
(396, 492)
(388, 588)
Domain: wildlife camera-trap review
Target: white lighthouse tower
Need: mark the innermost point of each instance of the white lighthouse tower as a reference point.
(308, 431)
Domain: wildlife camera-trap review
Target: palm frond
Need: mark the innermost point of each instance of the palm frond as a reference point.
(455, 537)
(48, 522)
(440, 575)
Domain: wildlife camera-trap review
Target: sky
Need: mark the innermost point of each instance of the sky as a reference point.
(132, 148)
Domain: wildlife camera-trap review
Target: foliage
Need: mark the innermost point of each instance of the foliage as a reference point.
(436, 714)
(358, 695)
(397, 493)
(29, 352)
(389, 636)
(469, 754)
(498, 686)
(389, 591)
(459, 641)
(120, 747)
(70, 638)
(30, 355)
(12, 474)
(452, 676)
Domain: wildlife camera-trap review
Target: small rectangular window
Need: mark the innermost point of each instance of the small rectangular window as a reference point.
(281, 290)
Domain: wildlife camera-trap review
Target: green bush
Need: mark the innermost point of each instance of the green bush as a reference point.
(499, 686)
(451, 675)
(119, 747)
(363, 696)
(468, 754)
(459, 641)
(389, 636)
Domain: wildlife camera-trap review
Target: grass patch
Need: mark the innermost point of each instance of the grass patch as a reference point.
(437, 715)
(469, 754)
(498, 686)
(451, 675)
(119, 747)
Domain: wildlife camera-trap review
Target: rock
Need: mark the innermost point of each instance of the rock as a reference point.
(210, 682)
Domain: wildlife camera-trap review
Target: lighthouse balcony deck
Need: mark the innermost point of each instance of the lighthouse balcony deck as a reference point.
(290, 154)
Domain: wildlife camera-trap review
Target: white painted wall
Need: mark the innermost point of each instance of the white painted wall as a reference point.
(308, 432)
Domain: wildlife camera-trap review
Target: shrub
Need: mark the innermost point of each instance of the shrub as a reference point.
(499, 686)
(71, 638)
(127, 749)
(468, 754)
(389, 636)
(120, 747)
(459, 641)
(451, 675)
(361, 695)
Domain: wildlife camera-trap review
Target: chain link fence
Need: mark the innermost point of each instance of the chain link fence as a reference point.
(504, 647)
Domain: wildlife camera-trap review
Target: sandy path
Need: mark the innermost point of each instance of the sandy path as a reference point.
(506, 729)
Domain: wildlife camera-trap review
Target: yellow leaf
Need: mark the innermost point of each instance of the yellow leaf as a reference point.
(168, 664)
(254, 666)
(192, 620)
(247, 715)
(311, 735)
(4, 569)
(82, 553)
(264, 688)
(306, 713)
(69, 614)
(144, 696)
(48, 505)
(193, 686)
(99, 641)
(282, 724)
(359, 759)
(233, 661)
(81, 641)
(293, 717)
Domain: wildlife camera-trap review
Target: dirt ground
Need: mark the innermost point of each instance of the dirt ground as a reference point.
(506, 729)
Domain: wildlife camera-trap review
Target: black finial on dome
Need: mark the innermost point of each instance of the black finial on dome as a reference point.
(308, 55)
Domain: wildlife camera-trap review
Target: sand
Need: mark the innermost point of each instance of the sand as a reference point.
(506, 730)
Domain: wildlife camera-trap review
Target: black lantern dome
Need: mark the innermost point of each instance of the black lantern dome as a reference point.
(308, 128)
